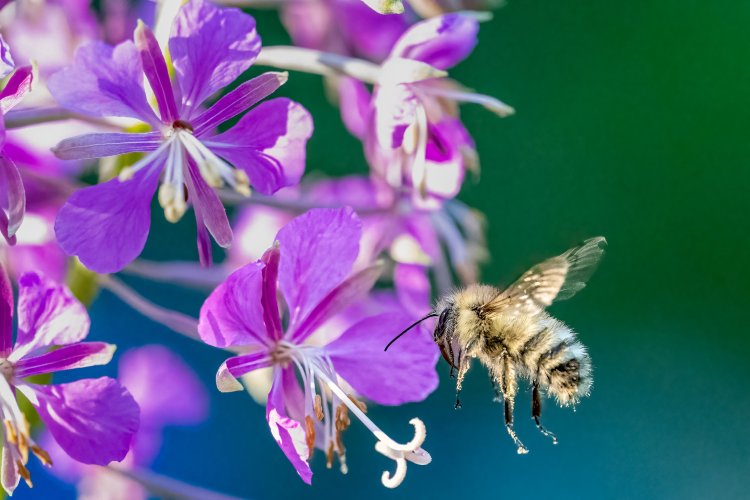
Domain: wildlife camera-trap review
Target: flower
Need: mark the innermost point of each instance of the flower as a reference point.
(11, 185)
(410, 126)
(107, 225)
(93, 420)
(346, 27)
(311, 267)
(168, 393)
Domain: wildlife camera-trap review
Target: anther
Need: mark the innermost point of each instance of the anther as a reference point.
(318, 407)
(10, 432)
(329, 456)
(42, 455)
(24, 473)
(309, 435)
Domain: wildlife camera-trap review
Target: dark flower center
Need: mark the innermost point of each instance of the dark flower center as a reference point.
(182, 124)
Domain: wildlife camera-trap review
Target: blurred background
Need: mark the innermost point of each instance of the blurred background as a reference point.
(631, 123)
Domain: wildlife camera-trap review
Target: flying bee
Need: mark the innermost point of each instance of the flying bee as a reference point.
(512, 335)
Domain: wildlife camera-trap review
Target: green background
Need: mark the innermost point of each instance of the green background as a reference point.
(631, 123)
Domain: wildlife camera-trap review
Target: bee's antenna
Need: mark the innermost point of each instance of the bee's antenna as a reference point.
(431, 315)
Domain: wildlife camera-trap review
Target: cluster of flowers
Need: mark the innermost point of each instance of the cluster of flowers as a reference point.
(319, 273)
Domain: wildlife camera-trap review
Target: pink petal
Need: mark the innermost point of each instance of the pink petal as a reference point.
(405, 373)
(69, 357)
(238, 100)
(441, 41)
(318, 249)
(11, 187)
(354, 103)
(107, 225)
(102, 145)
(104, 81)
(16, 88)
(268, 143)
(210, 48)
(48, 315)
(6, 313)
(233, 314)
(155, 68)
(288, 433)
(209, 209)
(93, 420)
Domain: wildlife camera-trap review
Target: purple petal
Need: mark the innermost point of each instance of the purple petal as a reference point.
(288, 433)
(6, 313)
(181, 399)
(412, 288)
(210, 48)
(238, 100)
(233, 314)
(104, 81)
(6, 61)
(318, 249)
(68, 357)
(348, 292)
(240, 365)
(107, 225)
(48, 315)
(441, 41)
(17, 87)
(11, 187)
(155, 68)
(93, 420)
(404, 374)
(354, 103)
(103, 145)
(208, 208)
(268, 143)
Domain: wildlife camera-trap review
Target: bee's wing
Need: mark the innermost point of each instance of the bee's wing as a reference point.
(558, 278)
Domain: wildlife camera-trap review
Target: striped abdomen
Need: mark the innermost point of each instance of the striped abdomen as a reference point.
(553, 357)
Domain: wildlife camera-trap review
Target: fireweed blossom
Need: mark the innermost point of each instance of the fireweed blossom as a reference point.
(179, 400)
(11, 186)
(310, 265)
(413, 135)
(93, 420)
(107, 225)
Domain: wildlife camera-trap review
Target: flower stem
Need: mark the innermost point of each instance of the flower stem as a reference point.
(166, 487)
(318, 63)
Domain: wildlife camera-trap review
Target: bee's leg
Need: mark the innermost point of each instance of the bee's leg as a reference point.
(536, 412)
(463, 367)
(510, 388)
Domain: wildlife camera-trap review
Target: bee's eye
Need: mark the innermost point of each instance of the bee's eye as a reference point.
(440, 329)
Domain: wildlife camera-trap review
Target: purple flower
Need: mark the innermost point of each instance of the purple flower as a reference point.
(11, 186)
(168, 393)
(413, 137)
(93, 420)
(107, 225)
(311, 267)
(346, 27)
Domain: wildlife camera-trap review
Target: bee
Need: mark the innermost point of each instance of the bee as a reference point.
(512, 335)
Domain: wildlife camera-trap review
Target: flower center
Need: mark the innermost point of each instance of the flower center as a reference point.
(6, 369)
(182, 124)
